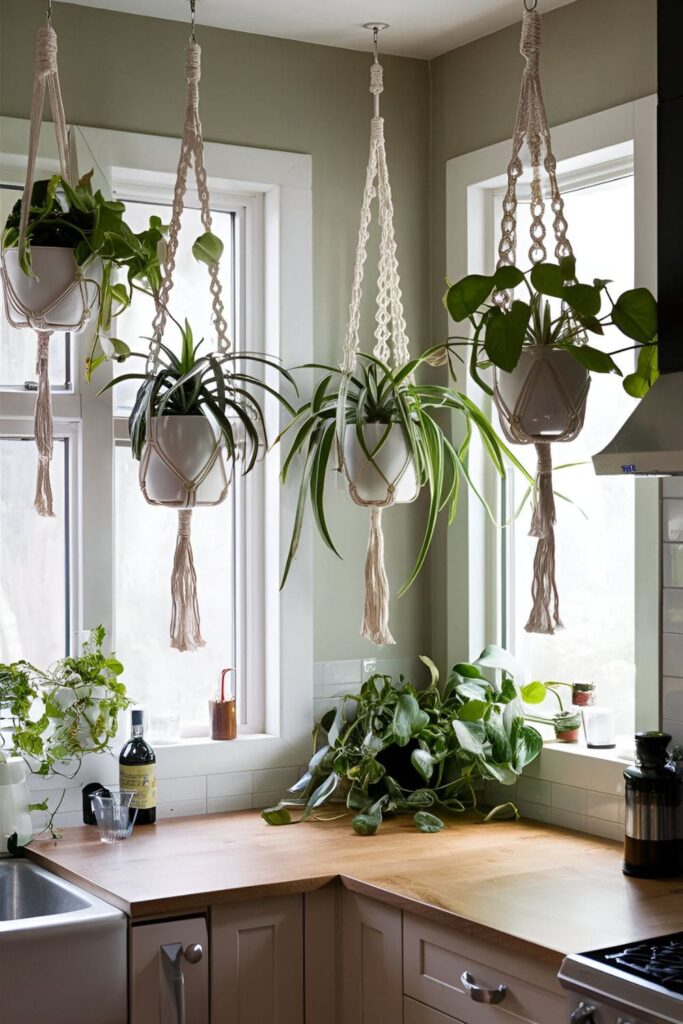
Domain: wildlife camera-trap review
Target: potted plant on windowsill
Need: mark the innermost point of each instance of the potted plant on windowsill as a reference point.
(512, 336)
(381, 428)
(566, 723)
(396, 749)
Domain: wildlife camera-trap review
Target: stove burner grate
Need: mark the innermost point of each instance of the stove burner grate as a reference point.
(659, 961)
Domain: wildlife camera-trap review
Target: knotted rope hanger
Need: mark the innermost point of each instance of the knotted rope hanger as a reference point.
(531, 126)
(391, 345)
(185, 629)
(45, 79)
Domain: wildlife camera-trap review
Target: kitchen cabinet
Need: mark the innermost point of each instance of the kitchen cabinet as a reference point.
(169, 972)
(418, 1013)
(371, 961)
(257, 962)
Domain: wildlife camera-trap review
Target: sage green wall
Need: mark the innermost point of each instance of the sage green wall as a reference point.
(126, 72)
(596, 54)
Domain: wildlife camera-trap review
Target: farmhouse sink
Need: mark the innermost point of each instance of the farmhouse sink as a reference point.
(74, 943)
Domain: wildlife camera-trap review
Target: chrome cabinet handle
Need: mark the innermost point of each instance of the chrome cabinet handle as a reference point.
(583, 1014)
(482, 995)
(172, 954)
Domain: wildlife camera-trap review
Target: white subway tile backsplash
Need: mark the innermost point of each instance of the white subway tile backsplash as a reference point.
(268, 799)
(223, 804)
(341, 672)
(569, 798)
(537, 812)
(568, 819)
(229, 784)
(175, 790)
(672, 694)
(675, 729)
(606, 829)
(536, 791)
(181, 808)
(600, 805)
(672, 519)
(672, 610)
(272, 779)
(672, 565)
(672, 655)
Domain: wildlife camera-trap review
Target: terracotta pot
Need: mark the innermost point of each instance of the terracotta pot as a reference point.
(190, 444)
(369, 480)
(583, 695)
(56, 270)
(544, 398)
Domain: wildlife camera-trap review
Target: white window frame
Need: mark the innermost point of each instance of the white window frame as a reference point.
(276, 186)
(471, 592)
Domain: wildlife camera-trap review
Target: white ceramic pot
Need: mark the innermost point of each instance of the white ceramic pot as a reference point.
(392, 463)
(190, 445)
(544, 398)
(51, 299)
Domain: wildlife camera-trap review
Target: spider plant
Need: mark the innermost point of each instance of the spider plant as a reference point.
(374, 393)
(502, 331)
(213, 385)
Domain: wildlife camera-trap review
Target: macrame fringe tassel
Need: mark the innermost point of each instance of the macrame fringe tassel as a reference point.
(376, 611)
(545, 612)
(42, 428)
(185, 624)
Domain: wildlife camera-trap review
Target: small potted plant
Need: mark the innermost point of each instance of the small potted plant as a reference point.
(533, 344)
(396, 749)
(382, 429)
(566, 723)
(583, 694)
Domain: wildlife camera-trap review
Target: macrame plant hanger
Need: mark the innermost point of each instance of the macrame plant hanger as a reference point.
(531, 126)
(46, 77)
(185, 629)
(391, 342)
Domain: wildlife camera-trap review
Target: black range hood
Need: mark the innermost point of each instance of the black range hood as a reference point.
(651, 441)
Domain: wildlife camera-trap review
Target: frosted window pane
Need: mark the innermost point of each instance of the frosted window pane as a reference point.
(33, 558)
(18, 347)
(190, 297)
(156, 675)
(595, 555)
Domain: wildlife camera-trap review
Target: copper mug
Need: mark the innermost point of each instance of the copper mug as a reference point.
(223, 712)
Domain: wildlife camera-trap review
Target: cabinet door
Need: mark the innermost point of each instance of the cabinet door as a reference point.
(257, 962)
(372, 967)
(169, 966)
(418, 1013)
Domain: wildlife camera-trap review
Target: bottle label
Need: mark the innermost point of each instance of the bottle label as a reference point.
(143, 779)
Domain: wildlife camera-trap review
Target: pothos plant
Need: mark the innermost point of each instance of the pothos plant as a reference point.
(95, 227)
(375, 393)
(395, 749)
(53, 717)
(216, 386)
(502, 330)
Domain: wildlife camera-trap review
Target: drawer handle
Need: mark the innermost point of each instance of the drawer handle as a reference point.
(482, 995)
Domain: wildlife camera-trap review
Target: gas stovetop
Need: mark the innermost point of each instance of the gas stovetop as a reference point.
(641, 981)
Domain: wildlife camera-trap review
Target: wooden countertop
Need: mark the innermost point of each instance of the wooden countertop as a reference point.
(535, 884)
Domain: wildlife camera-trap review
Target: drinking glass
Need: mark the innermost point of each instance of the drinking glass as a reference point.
(112, 814)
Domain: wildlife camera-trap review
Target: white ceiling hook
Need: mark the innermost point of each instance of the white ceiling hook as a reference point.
(375, 27)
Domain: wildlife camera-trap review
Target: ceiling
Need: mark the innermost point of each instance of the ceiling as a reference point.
(418, 28)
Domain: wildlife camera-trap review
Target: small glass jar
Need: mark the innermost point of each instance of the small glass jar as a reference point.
(598, 726)
(583, 694)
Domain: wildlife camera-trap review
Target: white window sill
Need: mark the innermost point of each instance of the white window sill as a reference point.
(622, 753)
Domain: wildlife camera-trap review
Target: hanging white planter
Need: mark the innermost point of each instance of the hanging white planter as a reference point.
(61, 297)
(182, 464)
(544, 398)
(389, 476)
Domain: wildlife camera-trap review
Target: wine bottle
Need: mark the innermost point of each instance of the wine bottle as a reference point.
(138, 772)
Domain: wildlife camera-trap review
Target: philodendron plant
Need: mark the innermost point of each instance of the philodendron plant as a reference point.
(502, 329)
(396, 749)
(565, 722)
(95, 228)
(377, 394)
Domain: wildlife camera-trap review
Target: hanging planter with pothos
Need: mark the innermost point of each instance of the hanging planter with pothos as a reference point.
(537, 345)
(371, 420)
(195, 416)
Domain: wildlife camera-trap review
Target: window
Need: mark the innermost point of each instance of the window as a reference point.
(608, 542)
(107, 556)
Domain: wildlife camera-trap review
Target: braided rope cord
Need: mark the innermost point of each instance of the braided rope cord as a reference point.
(531, 126)
(192, 148)
(390, 330)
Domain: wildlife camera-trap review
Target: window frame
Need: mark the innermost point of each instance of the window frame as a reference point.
(474, 557)
(276, 187)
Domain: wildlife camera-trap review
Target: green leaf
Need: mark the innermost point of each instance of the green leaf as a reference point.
(322, 794)
(568, 267)
(276, 816)
(583, 299)
(367, 823)
(409, 719)
(635, 314)
(464, 298)
(505, 333)
(638, 383)
(468, 671)
(433, 670)
(471, 736)
(548, 279)
(593, 359)
(208, 249)
(423, 762)
(527, 744)
(494, 656)
(533, 693)
(427, 822)
(473, 711)
(507, 278)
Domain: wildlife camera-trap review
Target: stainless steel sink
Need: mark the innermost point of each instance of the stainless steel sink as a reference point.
(74, 943)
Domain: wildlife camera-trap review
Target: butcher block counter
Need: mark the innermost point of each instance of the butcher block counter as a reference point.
(532, 883)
